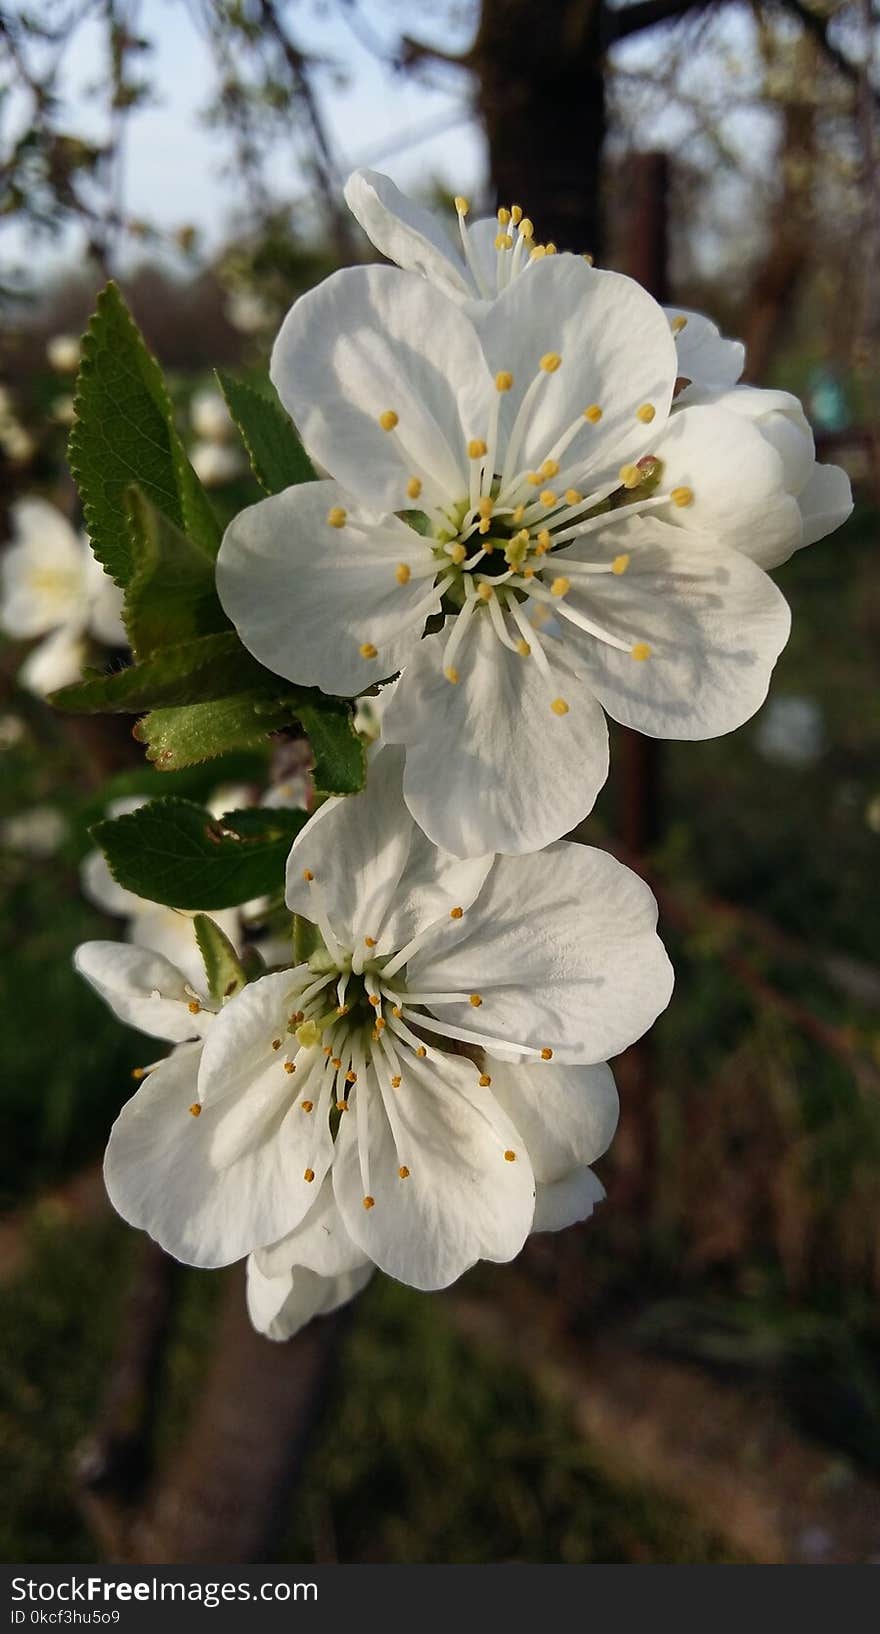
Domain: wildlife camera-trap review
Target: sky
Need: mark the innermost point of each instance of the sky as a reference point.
(174, 163)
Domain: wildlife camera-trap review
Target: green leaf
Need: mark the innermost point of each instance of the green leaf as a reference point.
(214, 666)
(125, 433)
(307, 939)
(278, 459)
(175, 852)
(224, 970)
(171, 597)
(179, 737)
(340, 756)
(266, 822)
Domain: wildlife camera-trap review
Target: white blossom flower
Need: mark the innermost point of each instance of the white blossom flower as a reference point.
(347, 1075)
(549, 472)
(210, 418)
(52, 585)
(63, 353)
(216, 463)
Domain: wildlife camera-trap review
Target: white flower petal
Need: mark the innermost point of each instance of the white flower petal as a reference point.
(372, 339)
(42, 580)
(566, 1116)
(102, 889)
(142, 989)
(825, 502)
(704, 356)
(462, 1199)
(489, 765)
(406, 233)
(280, 1306)
(307, 597)
(56, 661)
(178, 1177)
(617, 352)
(320, 1244)
(106, 601)
(567, 1201)
(714, 622)
(779, 417)
(171, 932)
(378, 874)
(562, 949)
(737, 480)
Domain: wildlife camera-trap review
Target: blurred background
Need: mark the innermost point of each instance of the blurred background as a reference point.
(694, 1375)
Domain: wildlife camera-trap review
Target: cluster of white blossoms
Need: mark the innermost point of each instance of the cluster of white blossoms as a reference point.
(546, 500)
(53, 586)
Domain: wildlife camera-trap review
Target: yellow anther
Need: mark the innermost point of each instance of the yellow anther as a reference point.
(309, 1175)
(341, 1106)
(630, 476)
(503, 241)
(485, 506)
(336, 516)
(308, 1106)
(403, 1172)
(640, 651)
(646, 413)
(289, 1066)
(538, 253)
(593, 414)
(457, 553)
(586, 256)
(560, 586)
(456, 913)
(370, 941)
(451, 674)
(485, 592)
(351, 1076)
(515, 214)
(523, 648)
(388, 419)
(503, 216)
(342, 1009)
(476, 448)
(396, 1011)
(679, 323)
(518, 515)
(503, 380)
(573, 496)
(308, 875)
(328, 1049)
(682, 497)
(380, 1025)
(335, 1061)
(551, 248)
(546, 1055)
(375, 1000)
(550, 362)
(402, 573)
(550, 468)
(414, 488)
(195, 1110)
(367, 650)
(535, 478)
(485, 526)
(194, 1007)
(276, 1043)
(544, 542)
(476, 1000)
(547, 497)
(526, 228)
(509, 1156)
(421, 1052)
(485, 1080)
(369, 1202)
(139, 1072)
(308, 1034)
(620, 564)
(396, 1081)
(462, 205)
(559, 706)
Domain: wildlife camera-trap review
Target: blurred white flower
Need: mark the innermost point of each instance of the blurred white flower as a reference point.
(36, 833)
(17, 443)
(216, 463)
(791, 730)
(249, 313)
(64, 410)
(210, 418)
(63, 352)
(52, 585)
